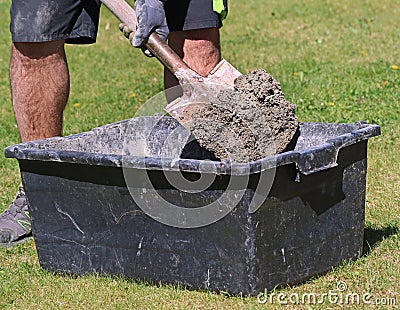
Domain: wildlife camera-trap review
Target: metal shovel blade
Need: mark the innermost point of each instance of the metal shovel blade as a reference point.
(196, 95)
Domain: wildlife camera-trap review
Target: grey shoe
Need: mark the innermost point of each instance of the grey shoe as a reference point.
(15, 222)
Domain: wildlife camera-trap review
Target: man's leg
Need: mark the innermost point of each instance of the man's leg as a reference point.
(199, 49)
(39, 87)
(40, 80)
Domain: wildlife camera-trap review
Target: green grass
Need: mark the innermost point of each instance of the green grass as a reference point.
(335, 60)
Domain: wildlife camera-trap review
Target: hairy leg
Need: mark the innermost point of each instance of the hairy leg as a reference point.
(199, 49)
(39, 88)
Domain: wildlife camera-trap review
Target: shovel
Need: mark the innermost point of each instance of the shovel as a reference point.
(182, 110)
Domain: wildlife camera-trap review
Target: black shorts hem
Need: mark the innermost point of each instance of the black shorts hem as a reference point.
(195, 25)
(72, 38)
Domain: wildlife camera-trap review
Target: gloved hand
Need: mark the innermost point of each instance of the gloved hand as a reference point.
(151, 17)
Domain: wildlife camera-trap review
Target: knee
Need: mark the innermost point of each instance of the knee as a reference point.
(200, 49)
(195, 41)
(37, 50)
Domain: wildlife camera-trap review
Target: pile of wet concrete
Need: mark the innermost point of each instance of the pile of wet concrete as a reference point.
(249, 122)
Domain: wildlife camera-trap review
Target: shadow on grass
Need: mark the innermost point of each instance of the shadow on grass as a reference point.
(374, 236)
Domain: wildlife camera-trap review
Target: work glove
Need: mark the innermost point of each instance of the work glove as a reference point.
(151, 17)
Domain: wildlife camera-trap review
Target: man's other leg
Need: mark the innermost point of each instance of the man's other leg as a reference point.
(199, 49)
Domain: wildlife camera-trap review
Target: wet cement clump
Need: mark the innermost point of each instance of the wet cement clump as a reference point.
(249, 122)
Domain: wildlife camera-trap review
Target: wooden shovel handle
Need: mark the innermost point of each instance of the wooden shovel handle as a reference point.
(126, 14)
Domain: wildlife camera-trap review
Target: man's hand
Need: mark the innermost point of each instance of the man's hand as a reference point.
(151, 17)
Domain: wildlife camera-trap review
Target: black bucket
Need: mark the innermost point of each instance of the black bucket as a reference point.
(87, 219)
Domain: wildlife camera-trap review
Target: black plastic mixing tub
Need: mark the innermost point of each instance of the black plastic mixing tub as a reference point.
(85, 219)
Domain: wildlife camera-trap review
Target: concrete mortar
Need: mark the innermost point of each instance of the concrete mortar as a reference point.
(252, 121)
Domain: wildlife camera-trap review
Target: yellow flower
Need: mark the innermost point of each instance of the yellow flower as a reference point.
(363, 53)
(131, 95)
(75, 105)
(295, 74)
(395, 67)
(331, 104)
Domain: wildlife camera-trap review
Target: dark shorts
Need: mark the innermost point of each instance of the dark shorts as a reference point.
(191, 14)
(76, 21)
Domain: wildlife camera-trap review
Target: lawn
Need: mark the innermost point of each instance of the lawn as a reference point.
(338, 61)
